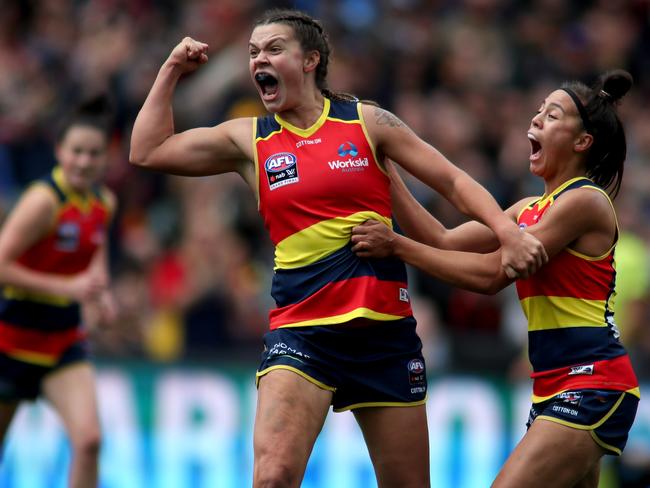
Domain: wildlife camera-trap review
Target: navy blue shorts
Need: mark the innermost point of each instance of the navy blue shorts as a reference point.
(608, 415)
(20, 380)
(364, 363)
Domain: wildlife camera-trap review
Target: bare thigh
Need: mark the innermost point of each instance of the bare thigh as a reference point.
(398, 442)
(72, 392)
(551, 454)
(290, 415)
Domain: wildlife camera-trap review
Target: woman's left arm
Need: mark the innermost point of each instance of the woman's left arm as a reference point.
(521, 253)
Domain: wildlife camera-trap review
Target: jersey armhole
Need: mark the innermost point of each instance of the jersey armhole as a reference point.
(256, 163)
(371, 144)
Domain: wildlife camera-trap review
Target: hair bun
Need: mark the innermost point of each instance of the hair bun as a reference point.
(615, 84)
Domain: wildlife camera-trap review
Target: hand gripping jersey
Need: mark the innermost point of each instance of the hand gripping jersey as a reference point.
(35, 327)
(314, 186)
(573, 340)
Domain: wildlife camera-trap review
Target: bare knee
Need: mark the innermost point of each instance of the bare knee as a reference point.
(275, 476)
(87, 443)
(273, 472)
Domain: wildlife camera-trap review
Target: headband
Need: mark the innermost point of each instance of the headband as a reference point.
(581, 109)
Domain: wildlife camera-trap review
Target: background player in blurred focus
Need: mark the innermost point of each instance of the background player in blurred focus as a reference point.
(53, 259)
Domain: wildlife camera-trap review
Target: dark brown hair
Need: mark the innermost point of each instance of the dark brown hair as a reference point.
(312, 37)
(96, 112)
(607, 154)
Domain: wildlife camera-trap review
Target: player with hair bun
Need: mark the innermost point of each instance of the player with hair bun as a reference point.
(585, 393)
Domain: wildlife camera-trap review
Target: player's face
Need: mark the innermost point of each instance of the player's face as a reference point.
(82, 156)
(276, 62)
(553, 134)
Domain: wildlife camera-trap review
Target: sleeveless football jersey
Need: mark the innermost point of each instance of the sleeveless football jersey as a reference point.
(37, 327)
(572, 338)
(314, 186)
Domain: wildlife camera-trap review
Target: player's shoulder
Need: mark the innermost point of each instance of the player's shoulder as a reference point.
(586, 197)
(41, 193)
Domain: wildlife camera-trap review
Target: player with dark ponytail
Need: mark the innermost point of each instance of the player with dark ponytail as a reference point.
(585, 393)
(52, 260)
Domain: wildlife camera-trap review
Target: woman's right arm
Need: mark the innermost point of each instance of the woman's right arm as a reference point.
(477, 272)
(31, 220)
(196, 152)
(418, 223)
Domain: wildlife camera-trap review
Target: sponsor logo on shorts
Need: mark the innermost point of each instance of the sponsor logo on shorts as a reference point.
(281, 169)
(565, 410)
(281, 349)
(571, 397)
(417, 375)
(584, 369)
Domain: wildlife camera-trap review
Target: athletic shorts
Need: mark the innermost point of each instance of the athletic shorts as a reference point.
(608, 415)
(364, 363)
(20, 380)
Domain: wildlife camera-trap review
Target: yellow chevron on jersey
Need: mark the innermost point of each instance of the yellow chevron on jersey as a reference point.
(314, 185)
(320, 240)
(551, 312)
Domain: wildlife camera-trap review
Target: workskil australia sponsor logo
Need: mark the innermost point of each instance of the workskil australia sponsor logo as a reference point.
(352, 163)
(281, 169)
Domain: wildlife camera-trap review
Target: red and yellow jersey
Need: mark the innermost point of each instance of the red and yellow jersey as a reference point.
(314, 186)
(573, 340)
(37, 327)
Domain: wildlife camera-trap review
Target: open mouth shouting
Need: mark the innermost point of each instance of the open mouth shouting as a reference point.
(268, 86)
(535, 147)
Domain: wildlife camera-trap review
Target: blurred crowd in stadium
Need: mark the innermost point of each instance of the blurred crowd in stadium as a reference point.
(190, 258)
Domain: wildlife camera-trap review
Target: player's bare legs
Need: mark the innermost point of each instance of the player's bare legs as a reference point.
(290, 414)
(398, 442)
(551, 454)
(591, 479)
(71, 391)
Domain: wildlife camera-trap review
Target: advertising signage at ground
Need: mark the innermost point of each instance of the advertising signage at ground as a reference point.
(191, 427)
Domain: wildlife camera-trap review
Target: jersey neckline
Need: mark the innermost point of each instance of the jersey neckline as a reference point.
(310, 130)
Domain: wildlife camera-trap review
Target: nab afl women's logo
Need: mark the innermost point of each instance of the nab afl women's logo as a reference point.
(281, 169)
(416, 366)
(417, 376)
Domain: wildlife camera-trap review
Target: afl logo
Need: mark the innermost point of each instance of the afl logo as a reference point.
(281, 169)
(280, 162)
(416, 366)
